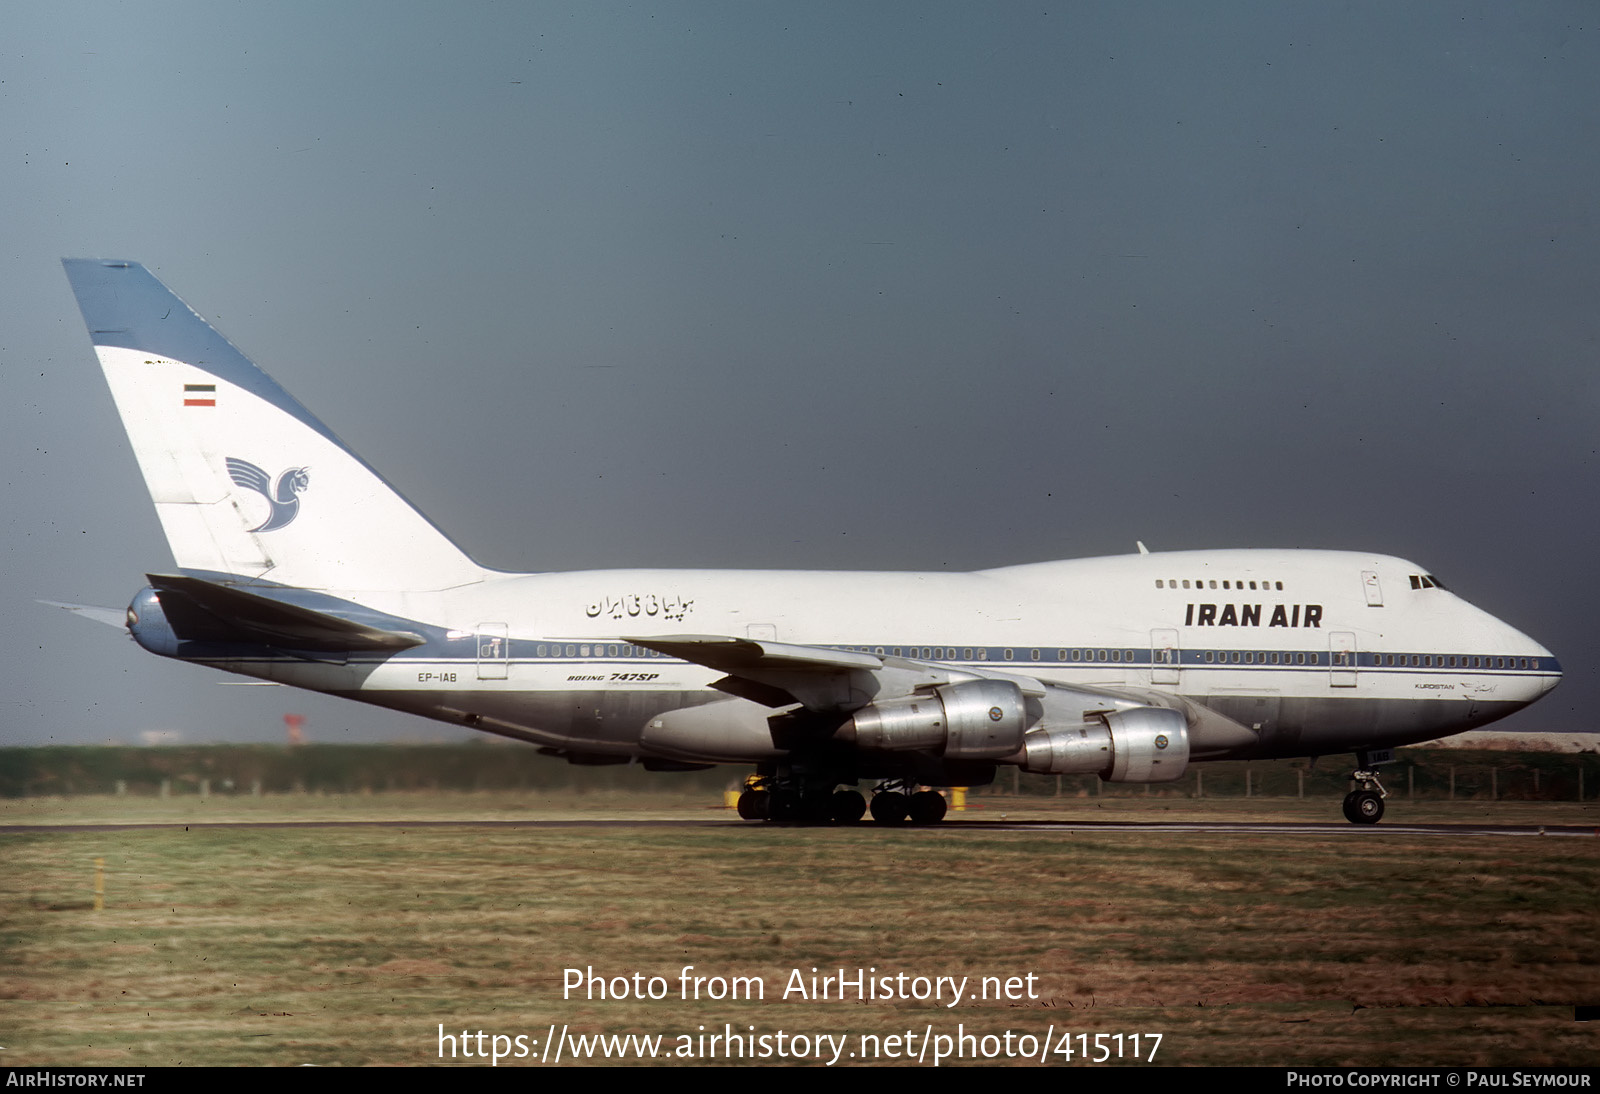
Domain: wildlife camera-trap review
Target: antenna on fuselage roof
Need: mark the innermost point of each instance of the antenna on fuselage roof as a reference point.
(1143, 550)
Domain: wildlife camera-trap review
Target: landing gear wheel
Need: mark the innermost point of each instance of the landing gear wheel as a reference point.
(785, 805)
(816, 808)
(926, 807)
(847, 806)
(1363, 807)
(755, 804)
(1364, 804)
(890, 807)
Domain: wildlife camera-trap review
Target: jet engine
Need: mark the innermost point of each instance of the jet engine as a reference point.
(1138, 745)
(972, 720)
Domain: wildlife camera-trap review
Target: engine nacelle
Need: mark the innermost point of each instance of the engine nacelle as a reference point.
(972, 720)
(1140, 745)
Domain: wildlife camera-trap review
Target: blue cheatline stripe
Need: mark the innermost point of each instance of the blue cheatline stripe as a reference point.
(533, 651)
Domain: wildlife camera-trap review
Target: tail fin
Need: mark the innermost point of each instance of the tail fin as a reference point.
(245, 479)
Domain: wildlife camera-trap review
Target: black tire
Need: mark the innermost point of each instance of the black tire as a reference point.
(784, 805)
(848, 806)
(889, 808)
(754, 804)
(1366, 807)
(927, 807)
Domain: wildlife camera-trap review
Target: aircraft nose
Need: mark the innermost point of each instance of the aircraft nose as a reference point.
(1523, 653)
(1549, 669)
(1552, 673)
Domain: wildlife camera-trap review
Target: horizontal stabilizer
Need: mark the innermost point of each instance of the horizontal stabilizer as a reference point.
(203, 611)
(111, 617)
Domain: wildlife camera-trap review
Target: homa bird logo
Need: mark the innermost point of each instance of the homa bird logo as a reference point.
(282, 496)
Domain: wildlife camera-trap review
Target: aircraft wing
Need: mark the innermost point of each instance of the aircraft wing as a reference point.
(839, 682)
(730, 654)
(822, 678)
(778, 674)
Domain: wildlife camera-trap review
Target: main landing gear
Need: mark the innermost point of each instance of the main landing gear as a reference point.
(898, 801)
(893, 802)
(1364, 805)
(792, 800)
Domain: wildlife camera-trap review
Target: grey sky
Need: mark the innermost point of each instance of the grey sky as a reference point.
(838, 286)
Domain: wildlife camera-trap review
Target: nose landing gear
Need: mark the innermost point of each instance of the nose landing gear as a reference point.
(1364, 805)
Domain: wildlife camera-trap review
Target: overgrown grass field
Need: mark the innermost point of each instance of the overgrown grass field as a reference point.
(353, 945)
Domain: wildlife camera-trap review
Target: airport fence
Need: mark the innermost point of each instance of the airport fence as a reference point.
(1434, 774)
(319, 769)
(1428, 774)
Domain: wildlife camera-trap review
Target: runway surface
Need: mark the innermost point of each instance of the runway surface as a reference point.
(948, 827)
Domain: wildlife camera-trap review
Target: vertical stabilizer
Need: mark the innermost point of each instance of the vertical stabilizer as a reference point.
(245, 479)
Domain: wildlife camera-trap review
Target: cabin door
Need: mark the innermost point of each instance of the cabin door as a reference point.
(1342, 656)
(494, 651)
(1166, 656)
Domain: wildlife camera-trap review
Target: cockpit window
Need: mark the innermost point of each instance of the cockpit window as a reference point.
(1426, 581)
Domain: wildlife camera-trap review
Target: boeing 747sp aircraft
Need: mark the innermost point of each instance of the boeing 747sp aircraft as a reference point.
(297, 563)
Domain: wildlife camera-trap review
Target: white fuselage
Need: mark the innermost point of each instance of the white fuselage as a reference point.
(1311, 650)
